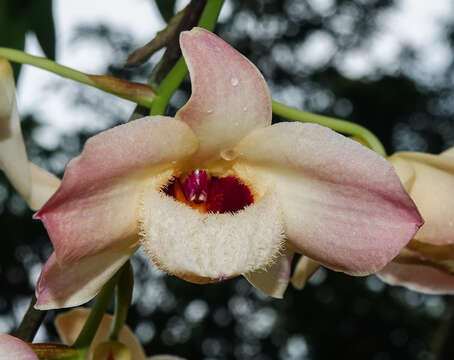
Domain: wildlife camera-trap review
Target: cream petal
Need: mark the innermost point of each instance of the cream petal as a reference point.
(343, 204)
(44, 184)
(448, 152)
(274, 280)
(209, 247)
(229, 95)
(305, 268)
(422, 278)
(96, 206)
(14, 348)
(431, 186)
(75, 284)
(69, 325)
(13, 157)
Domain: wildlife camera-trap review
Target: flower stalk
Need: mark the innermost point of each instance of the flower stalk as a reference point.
(338, 125)
(136, 92)
(55, 352)
(123, 296)
(102, 301)
(172, 81)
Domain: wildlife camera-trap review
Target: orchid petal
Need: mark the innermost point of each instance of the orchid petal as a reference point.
(96, 206)
(75, 284)
(422, 278)
(229, 95)
(14, 348)
(13, 157)
(206, 247)
(305, 268)
(273, 281)
(343, 204)
(448, 152)
(44, 184)
(429, 179)
(69, 325)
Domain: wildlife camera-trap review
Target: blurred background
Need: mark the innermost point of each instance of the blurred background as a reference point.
(386, 64)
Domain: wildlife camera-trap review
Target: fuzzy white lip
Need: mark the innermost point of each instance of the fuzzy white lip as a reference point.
(183, 241)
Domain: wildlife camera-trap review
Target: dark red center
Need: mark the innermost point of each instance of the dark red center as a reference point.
(210, 194)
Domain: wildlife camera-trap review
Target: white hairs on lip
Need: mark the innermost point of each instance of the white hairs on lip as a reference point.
(183, 241)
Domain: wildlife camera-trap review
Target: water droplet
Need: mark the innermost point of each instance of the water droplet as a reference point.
(229, 155)
(234, 81)
(245, 109)
(174, 162)
(209, 111)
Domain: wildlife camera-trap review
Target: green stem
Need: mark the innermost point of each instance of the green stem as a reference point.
(139, 93)
(123, 296)
(172, 81)
(98, 309)
(209, 17)
(168, 86)
(342, 126)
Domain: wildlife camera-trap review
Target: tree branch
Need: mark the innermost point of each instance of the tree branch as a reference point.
(30, 323)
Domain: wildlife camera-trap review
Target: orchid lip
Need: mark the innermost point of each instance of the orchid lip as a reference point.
(210, 194)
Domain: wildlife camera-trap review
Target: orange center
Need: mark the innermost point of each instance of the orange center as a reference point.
(210, 194)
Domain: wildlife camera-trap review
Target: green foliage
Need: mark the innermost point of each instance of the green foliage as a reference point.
(43, 26)
(22, 16)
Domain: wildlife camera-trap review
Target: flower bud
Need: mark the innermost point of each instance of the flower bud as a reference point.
(112, 350)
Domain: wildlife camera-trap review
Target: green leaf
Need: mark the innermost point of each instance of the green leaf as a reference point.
(166, 8)
(12, 30)
(42, 23)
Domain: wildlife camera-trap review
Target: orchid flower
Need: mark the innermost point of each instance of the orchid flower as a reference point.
(217, 191)
(33, 183)
(14, 348)
(68, 326)
(426, 264)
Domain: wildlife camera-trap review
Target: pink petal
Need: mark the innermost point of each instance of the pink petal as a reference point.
(14, 348)
(273, 281)
(13, 158)
(75, 284)
(96, 206)
(343, 204)
(429, 179)
(229, 95)
(69, 325)
(420, 278)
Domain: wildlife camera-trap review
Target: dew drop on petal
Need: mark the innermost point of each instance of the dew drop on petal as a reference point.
(245, 109)
(209, 111)
(234, 81)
